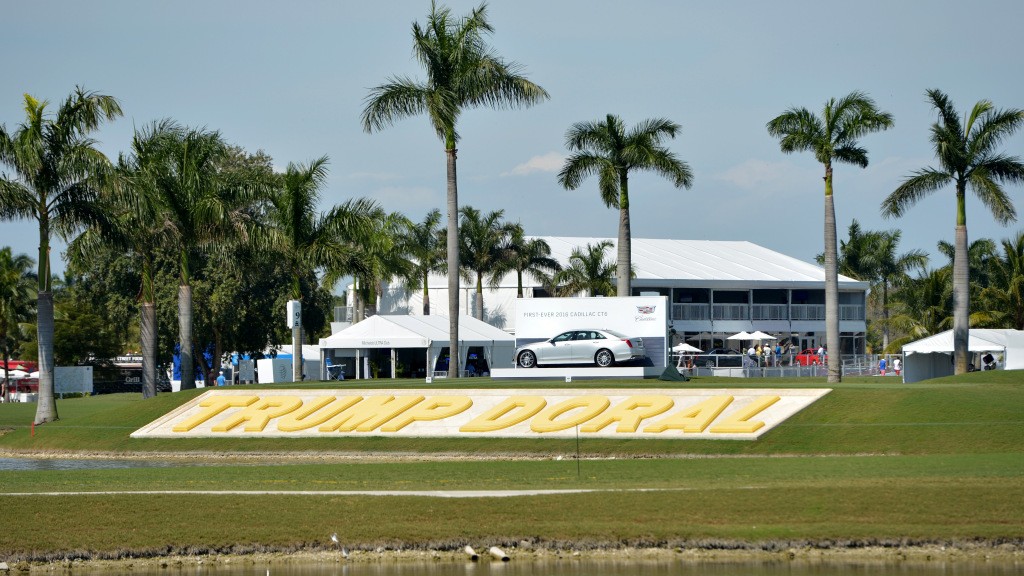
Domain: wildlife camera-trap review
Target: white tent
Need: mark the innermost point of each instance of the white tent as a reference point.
(429, 333)
(932, 357)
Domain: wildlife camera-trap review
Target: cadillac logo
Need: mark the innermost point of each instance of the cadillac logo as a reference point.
(645, 309)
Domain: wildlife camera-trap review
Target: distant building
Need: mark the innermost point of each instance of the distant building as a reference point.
(715, 288)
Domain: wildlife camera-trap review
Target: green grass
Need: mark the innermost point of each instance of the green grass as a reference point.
(872, 461)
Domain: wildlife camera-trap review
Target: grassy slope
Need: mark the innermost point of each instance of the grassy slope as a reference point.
(941, 460)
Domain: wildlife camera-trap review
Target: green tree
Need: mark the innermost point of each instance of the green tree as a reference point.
(57, 173)
(923, 306)
(309, 241)
(891, 270)
(482, 239)
(980, 253)
(462, 72)
(608, 150)
(1003, 299)
(854, 254)
(527, 255)
(832, 137)
(588, 271)
(968, 157)
(423, 242)
(379, 256)
(17, 290)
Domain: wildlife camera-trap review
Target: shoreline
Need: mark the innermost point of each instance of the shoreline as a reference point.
(822, 552)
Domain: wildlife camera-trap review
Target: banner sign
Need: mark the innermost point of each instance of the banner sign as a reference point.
(644, 316)
(504, 413)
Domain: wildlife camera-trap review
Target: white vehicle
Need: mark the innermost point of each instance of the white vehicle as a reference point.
(586, 346)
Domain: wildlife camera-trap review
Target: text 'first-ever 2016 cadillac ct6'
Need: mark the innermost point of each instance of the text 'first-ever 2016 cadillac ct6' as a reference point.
(586, 346)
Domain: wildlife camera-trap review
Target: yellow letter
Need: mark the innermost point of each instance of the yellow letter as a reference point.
(627, 415)
(545, 421)
(370, 413)
(692, 418)
(740, 423)
(509, 413)
(259, 414)
(216, 405)
(435, 408)
(308, 416)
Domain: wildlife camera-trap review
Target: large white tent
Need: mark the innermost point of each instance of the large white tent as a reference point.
(429, 333)
(932, 357)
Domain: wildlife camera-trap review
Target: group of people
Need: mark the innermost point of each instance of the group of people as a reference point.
(765, 355)
(897, 365)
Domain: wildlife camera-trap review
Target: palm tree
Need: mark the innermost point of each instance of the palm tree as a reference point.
(57, 169)
(588, 271)
(923, 306)
(462, 72)
(980, 253)
(891, 270)
(832, 137)
(195, 208)
(482, 239)
(854, 253)
(16, 293)
(968, 156)
(422, 241)
(529, 255)
(1004, 298)
(378, 256)
(308, 241)
(606, 149)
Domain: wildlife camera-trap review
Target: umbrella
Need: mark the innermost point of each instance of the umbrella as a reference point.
(34, 374)
(762, 336)
(741, 336)
(16, 374)
(684, 347)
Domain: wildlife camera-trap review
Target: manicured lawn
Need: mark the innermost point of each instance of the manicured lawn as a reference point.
(873, 460)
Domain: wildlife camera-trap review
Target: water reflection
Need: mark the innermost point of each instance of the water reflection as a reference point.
(570, 567)
(9, 464)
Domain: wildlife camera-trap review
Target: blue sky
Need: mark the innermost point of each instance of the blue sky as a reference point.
(290, 78)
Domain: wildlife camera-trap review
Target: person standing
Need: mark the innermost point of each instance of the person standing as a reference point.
(881, 366)
(221, 381)
(897, 364)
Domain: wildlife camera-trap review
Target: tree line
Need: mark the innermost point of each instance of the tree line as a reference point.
(197, 216)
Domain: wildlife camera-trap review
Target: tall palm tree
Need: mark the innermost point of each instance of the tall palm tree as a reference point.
(195, 207)
(307, 241)
(968, 157)
(891, 270)
(529, 255)
(980, 254)
(57, 170)
(482, 240)
(423, 243)
(16, 293)
(462, 72)
(587, 271)
(832, 137)
(606, 149)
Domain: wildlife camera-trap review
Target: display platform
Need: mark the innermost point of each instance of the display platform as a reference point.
(576, 373)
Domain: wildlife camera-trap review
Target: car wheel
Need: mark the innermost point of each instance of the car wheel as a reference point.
(604, 358)
(527, 359)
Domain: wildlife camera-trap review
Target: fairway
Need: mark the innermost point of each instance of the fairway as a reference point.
(873, 461)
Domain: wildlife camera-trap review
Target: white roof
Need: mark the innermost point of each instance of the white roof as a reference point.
(979, 340)
(699, 264)
(404, 331)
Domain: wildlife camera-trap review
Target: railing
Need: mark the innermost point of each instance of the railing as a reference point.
(348, 313)
(691, 311)
(808, 312)
(851, 312)
(730, 312)
(769, 312)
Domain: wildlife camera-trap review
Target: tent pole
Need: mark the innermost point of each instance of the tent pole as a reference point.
(359, 364)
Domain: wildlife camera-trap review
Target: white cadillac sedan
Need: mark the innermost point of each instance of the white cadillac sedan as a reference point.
(601, 347)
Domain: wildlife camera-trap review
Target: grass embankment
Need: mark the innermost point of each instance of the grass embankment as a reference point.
(873, 461)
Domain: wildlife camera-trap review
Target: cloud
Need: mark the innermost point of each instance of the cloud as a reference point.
(550, 162)
(767, 177)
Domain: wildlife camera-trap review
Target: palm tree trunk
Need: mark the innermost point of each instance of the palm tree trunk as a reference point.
(834, 357)
(426, 294)
(453, 261)
(297, 347)
(961, 300)
(479, 297)
(519, 283)
(885, 315)
(46, 407)
(147, 339)
(188, 377)
(625, 265)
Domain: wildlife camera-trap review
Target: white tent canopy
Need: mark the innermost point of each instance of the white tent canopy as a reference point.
(932, 357)
(428, 332)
